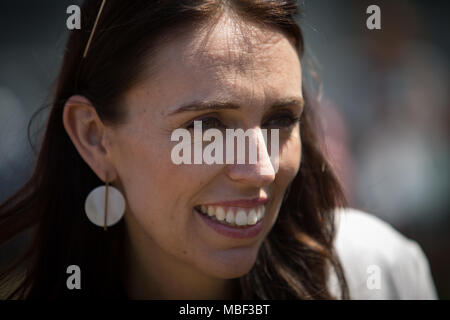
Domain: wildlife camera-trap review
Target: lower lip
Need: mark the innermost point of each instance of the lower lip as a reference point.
(233, 232)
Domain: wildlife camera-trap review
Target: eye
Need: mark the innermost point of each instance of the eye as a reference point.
(282, 120)
(207, 123)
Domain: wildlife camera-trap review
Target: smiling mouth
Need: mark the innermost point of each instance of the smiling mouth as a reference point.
(237, 217)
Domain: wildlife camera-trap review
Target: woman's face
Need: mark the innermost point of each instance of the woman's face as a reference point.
(254, 69)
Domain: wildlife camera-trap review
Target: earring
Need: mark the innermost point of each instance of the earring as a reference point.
(104, 206)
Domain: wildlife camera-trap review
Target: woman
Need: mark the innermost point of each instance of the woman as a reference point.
(136, 72)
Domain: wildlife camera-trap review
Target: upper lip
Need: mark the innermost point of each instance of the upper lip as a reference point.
(244, 203)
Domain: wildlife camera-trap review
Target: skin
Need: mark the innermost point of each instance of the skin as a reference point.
(171, 253)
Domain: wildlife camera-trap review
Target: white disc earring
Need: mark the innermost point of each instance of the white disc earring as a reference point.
(105, 206)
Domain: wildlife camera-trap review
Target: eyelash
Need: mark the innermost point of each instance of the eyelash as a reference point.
(289, 117)
(191, 124)
(292, 121)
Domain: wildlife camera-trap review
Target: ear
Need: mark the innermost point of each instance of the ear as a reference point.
(88, 134)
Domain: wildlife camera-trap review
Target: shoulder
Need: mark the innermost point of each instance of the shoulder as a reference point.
(378, 261)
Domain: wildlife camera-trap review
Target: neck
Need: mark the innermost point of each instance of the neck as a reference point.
(151, 273)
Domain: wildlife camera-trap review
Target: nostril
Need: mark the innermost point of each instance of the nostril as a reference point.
(254, 175)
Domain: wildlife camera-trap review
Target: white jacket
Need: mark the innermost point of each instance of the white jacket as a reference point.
(378, 261)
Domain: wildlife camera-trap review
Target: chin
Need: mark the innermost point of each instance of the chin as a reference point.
(232, 263)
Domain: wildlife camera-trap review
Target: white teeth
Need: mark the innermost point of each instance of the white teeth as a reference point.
(230, 217)
(252, 219)
(220, 213)
(241, 218)
(260, 213)
(234, 215)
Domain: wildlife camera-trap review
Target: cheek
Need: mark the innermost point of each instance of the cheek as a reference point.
(159, 193)
(289, 165)
(147, 178)
(290, 158)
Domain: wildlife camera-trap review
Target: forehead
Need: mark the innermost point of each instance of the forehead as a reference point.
(232, 43)
(228, 59)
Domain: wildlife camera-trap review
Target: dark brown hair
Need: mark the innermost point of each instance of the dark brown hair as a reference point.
(294, 260)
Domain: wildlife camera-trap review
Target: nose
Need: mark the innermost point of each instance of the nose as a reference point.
(260, 170)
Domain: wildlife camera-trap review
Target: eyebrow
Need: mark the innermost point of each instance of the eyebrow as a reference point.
(223, 105)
